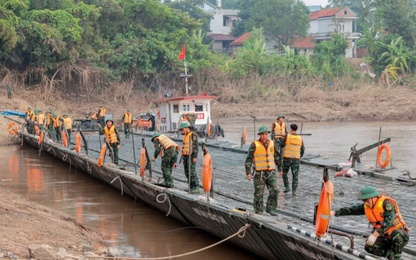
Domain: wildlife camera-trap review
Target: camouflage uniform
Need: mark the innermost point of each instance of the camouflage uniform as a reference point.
(188, 159)
(169, 158)
(293, 165)
(386, 246)
(9, 91)
(261, 179)
(127, 126)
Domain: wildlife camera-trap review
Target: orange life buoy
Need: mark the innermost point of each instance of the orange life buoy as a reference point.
(244, 135)
(207, 172)
(102, 155)
(142, 161)
(41, 137)
(78, 143)
(37, 130)
(12, 127)
(380, 153)
(324, 209)
(64, 138)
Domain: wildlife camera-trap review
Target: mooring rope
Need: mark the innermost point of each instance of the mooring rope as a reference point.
(240, 233)
(64, 157)
(121, 183)
(165, 197)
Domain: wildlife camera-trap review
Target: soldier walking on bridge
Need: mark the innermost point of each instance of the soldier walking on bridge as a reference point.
(292, 152)
(170, 155)
(264, 158)
(127, 120)
(190, 155)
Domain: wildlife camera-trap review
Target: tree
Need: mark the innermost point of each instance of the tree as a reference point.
(398, 17)
(281, 20)
(395, 55)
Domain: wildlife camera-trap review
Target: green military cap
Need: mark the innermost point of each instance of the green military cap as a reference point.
(183, 125)
(280, 116)
(155, 135)
(263, 129)
(367, 192)
(110, 121)
(64, 115)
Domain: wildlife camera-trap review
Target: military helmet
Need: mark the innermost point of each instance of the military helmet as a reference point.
(64, 115)
(110, 121)
(156, 134)
(367, 192)
(280, 116)
(263, 129)
(183, 125)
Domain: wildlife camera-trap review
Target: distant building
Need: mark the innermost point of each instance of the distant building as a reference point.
(341, 20)
(221, 25)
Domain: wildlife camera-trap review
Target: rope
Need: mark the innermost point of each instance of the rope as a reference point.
(165, 197)
(240, 233)
(121, 183)
(64, 157)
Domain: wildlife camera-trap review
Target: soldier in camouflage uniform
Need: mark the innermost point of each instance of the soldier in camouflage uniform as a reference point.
(390, 232)
(190, 155)
(170, 155)
(264, 158)
(293, 150)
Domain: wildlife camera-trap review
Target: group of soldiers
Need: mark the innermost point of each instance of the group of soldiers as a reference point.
(390, 232)
(52, 123)
(264, 160)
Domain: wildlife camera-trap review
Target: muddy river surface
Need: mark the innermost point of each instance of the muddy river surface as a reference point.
(143, 232)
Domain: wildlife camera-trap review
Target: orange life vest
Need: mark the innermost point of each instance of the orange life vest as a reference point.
(29, 114)
(375, 215)
(110, 134)
(186, 144)
(48, 119)
(292, 146)
(264, 157)
(166, 142)
(68, 123)
(41, 118)
(56, 121)
(279, 130)
(102, 112)
(127, 118)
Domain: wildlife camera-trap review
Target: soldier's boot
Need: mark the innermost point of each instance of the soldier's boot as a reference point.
(169, 181)
(272, 212)
(287, 189)
(294, 193)
(194, 188)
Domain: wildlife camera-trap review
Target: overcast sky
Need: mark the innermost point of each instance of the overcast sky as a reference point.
(323, 3)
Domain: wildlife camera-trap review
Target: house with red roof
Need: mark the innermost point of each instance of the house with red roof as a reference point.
(341, 20)
(323, 24)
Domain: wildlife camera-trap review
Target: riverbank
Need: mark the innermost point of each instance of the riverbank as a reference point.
(30, 230)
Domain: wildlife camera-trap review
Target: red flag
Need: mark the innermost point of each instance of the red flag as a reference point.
(183, 53)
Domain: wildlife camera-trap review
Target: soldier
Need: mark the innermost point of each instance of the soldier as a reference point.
(29, 115)
(293, 150)
(112, 137)
(263, 156)
(127, 121)
(101, 117)
(390, 232)
(279, 131)
(40, 118)
(190, 155)
(68, 126)
(48, 120)
(57, 125)
(170, 155)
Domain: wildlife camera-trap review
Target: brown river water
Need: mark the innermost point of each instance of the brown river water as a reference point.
(145, 232)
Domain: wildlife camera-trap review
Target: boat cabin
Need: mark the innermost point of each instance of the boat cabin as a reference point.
(171, 110)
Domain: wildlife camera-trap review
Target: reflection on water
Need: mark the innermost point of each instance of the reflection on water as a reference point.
(146, 233)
